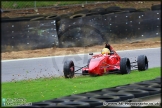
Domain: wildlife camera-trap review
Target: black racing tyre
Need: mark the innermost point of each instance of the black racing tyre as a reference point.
(145, 84)
(26, 18)
(123, 96)
(27, 106)
(77, 16)
(114, 90)
(92, 102)
(68, 69)
(151, 81)
(84, 11)
(100, 11)
(109, 106)
(91, 14)
(132, 86)
(107, 98)
(129, 9)
(98, 92)
(67, 44)
(151, 90)
(65, 16)
(38, 18)
(133, 100)
(72, 98)
(142, 62)
(61, 106)
(121, 12)
(15, 19)
(86, 35)
(113, 8)
(156, 81)
(33, 16)
(136, 92)
(75, 104)
(53, 17)
(125, 66)
(156, 7)
(143, 9)
(57, 100)
(43, 104)
(155, 86)
(88, 95)
(113, 12)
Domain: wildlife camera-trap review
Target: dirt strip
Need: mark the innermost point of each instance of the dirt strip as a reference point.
(148, 43)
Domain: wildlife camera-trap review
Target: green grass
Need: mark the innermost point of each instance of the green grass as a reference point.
(32, 4)
(48, 88)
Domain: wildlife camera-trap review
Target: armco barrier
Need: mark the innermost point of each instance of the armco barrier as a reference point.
(21, 35)
(95, 29)
(100, 98)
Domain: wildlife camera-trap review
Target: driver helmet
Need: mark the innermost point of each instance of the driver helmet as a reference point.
(105, 51)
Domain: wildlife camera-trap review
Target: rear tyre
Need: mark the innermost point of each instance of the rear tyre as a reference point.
(125, 66)
(142, 63)
(69, 69)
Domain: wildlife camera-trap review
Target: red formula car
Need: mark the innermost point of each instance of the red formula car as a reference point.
(106, 62)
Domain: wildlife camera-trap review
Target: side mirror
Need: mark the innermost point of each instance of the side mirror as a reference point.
(90, 53)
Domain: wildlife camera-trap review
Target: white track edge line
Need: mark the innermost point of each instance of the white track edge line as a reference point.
(71, 55)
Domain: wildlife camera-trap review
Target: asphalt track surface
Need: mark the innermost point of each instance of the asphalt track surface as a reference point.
(22, 69)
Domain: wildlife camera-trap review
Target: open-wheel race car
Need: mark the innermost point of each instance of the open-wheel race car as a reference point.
(106, 62)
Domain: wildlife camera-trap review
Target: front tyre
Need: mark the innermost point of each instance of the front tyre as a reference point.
(125, 66)
(142, 62)
(69, 69)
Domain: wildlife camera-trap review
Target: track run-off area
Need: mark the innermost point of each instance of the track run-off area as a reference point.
(32, 68)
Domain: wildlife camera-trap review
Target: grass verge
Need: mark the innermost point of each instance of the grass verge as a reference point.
(48, 88)
(32, 4)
